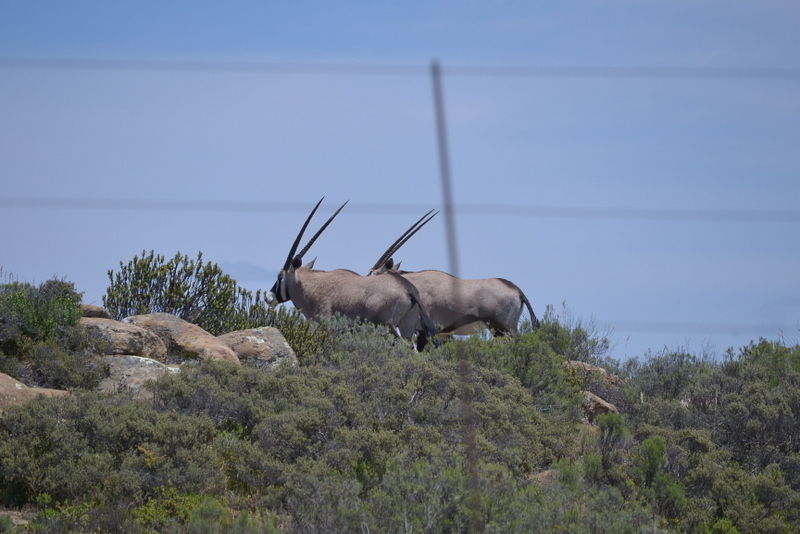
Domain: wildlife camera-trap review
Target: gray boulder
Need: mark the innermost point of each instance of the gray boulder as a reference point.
(115, 337)
(184, 340)
(260, 347)
(129, 373)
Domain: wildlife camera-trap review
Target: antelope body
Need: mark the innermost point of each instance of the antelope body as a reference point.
(461, 306)
(465, 307)
(391, 301)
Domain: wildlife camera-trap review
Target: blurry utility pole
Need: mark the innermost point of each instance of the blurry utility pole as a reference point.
(473, 489)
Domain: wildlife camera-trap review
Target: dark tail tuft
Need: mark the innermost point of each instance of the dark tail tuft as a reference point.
(429, 330)
(535, 324)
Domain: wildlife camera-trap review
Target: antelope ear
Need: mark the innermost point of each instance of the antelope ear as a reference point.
(389, 263)
(297, 262)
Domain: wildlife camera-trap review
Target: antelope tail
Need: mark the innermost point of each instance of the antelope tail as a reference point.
(429, 330)
(534, 321)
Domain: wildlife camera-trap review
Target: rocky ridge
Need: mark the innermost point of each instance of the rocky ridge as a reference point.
(143, 347)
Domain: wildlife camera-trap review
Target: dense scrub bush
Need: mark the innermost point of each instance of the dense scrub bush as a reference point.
(530, 359)
(170, 512)
(367, 435)
(573, 338)
(732, 436)
(38, 313)
(337, 434)
(750, 403)
(93, 448)
(41, 342)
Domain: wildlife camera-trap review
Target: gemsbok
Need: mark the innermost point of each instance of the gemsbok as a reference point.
(459, 306)
(392, 301)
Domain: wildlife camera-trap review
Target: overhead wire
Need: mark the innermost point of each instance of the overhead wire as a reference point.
(398, 69)
(742, 215)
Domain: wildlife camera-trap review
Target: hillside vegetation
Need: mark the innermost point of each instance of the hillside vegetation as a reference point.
(366, 435)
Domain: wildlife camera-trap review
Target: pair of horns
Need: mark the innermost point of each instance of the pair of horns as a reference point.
(300, 255)
(403, 238)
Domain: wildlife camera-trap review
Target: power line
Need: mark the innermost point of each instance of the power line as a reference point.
(493, 210)
(389, 69)
(751, 73)
(699, 328)
(252, 67)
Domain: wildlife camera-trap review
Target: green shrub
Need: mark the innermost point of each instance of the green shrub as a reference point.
(573, 338)
(41, 342)
(167, 511)
(94, 448)
(50, 365)
(307, 338)
(336, 435)
(530, 360)
(613, 441)
(368, 435)
(42, 313)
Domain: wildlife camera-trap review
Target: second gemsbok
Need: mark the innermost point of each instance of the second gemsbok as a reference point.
(459, 306)
(392, 300)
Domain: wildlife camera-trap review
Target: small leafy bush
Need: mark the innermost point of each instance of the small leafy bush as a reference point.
(573, 338)
(48, 364)
(42, 313)
(307, 338)
(41, 342)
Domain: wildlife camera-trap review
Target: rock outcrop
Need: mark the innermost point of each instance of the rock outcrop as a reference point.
(129, 373)
(184, 340)
(116, 337)
(586, 369)
(144, 347)
(90, 310)
(13, 392)
(596, 406)
(261, 347)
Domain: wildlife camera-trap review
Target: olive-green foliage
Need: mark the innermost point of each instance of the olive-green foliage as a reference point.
(732, 455)
(168, 512)
(36, 313)
(531, 359)
(369, 436)
(573, 338)
(306, 338)
(40, 340)
(28, 312)
(90, 447)
(330, 442)
(613, 440)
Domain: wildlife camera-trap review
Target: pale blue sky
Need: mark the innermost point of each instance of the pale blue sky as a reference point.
(622, 155)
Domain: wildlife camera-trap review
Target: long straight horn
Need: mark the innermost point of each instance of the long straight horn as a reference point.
(311, 241)
(403, 238)
(300, 236)
(406, 238)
